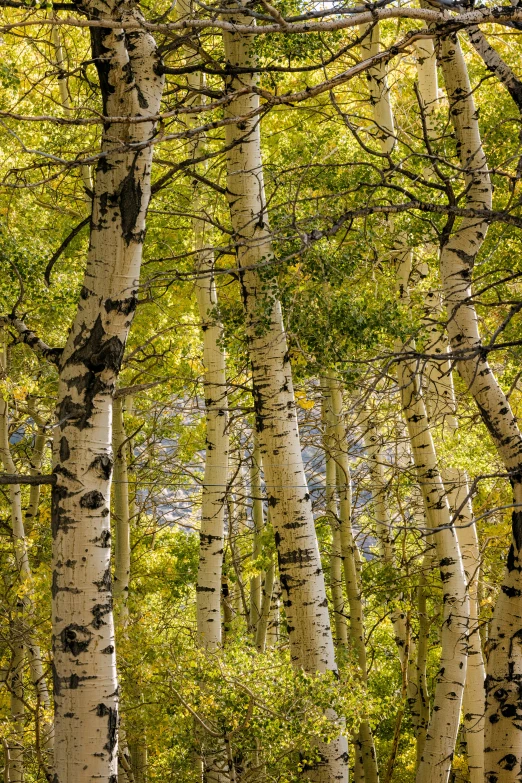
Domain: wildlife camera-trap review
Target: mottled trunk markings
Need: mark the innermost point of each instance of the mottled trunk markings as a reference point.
(503, 734)
(86, 687)
(301, 576)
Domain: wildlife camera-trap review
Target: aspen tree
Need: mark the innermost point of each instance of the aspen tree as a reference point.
(274, 618)
(349, 553)
(122, 546)
(264, 619)
(85, 680)
(379, 90)
(14, 762)
(257, 519)
(336, 559)
(24, 583)
(503, 741)
(442, 409)
(36, 459)
(435, 763)
(302, 580)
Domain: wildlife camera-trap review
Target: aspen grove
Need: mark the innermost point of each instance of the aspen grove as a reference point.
(260, 391)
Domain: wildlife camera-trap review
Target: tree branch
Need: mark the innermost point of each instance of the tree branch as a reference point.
(9, 478)
(31, 339)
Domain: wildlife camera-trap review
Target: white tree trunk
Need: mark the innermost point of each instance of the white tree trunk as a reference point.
(336, 559)
(85, 680)
(311, 642)
(24, 575)
(503, 738)
(351, 571)
(379, 90)
(15, 741)
(258, 520)
(37, 455)
(435, 763)
(213, 500)
(122, 545)
(266, 602)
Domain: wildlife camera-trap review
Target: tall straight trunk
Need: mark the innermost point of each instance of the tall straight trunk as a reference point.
(422, 701)
(37, 454)
(27, 598)
(213, 500)
(442, 409)
(503, 738)
(336, 559)
(85, 679)
(274, 620)
(122, 546)
(435, 763)
(266, 602)
(350, 555)
(302, 579)
(217, 446)
(456, 483)
(379, 89)
(15, 767)
(257, 518)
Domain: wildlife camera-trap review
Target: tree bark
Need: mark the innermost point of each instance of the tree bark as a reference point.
(122, 545)
(435, 763)
(350, 555)
(503, 738)
(85, 680)
(258, 520)
(336, 559)
(311, 642)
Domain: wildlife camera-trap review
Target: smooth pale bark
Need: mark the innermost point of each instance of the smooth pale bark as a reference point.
(15, 741)
(442, 408)
(350, 554)
(274, 620)
(301, 575)
(266, 602)
(217, 439)
(122, 544)
(214, 489)
(85, 679)
(258, 520)
(36, 460)
(422, 700)
(435, 762)
(457, 487)
(503, 738)
(379, 90)
(336, 559)
(27, 598)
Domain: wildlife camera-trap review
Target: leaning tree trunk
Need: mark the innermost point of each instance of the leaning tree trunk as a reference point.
(435, 763)
(311, 642)
(85, 680)
(503, 738)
